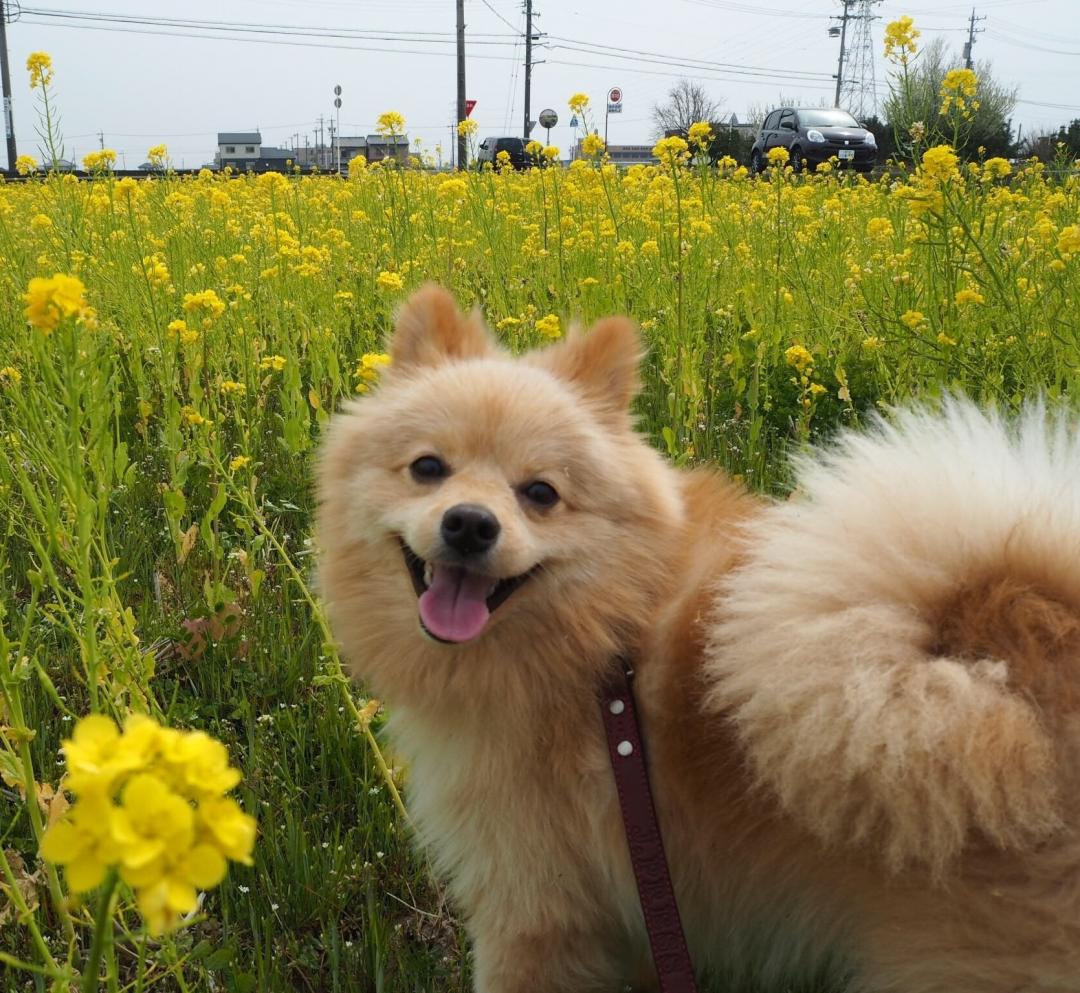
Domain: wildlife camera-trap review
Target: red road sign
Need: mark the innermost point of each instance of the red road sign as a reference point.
(469, 104)
(614, 95)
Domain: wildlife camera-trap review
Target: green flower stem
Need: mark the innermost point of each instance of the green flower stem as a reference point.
(9, 693)
(41, 970)
(328, 640)
(102, 926)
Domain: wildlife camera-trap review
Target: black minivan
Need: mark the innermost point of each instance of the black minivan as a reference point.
(490, 147)
(812, 136)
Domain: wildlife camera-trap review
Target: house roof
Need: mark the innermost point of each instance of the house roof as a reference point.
(239, 138)
(271, 152)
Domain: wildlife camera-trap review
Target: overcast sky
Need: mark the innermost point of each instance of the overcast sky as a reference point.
(142, 88)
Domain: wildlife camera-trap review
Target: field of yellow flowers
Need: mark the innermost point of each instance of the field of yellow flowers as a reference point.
(172, 349)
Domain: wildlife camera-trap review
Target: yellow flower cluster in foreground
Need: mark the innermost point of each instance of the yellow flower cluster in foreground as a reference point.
(50, 300)
(152, 806)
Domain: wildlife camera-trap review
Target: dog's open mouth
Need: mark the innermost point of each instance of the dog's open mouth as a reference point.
(455, 604)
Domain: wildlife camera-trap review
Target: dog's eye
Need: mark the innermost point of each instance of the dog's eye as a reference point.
(541, 493)
(429, 468)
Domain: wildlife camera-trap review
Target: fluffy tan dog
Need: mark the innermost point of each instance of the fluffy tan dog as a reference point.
(861, 706)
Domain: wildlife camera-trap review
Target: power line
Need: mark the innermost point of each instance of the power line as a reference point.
(498, 15)
(298, 30)
(669, 75)
(751, 8)
(1030, 32)
(208, 24)
(635, 53)
(260, 41)
(1051, 106)
(999, 36)
(237, 32)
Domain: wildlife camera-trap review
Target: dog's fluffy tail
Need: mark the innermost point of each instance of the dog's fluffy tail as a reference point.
(900, 651)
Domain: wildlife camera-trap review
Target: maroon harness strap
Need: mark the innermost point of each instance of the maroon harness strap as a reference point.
(625, 746)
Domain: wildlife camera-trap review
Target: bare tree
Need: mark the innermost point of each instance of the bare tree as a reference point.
(686, 103)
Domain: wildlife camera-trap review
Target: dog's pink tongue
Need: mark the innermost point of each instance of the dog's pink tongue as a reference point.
(454, 606)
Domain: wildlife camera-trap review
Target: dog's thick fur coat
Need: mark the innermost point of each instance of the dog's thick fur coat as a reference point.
(860, 706)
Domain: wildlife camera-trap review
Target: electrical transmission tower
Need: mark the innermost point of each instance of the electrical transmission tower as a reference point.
(856, 90)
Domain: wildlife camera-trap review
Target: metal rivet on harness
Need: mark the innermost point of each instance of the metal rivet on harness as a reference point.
(616, 706)
(624, 748)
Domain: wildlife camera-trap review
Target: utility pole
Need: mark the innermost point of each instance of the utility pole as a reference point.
(528, 65)
(462, 143)
(969, 62)
(844, 18)
(101, 140)
(5, 77)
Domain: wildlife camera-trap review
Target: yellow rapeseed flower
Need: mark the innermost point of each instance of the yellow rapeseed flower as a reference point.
(900, 38)
(390, 282)
(40, 67)
(957, 90)
(275, 362)
(99, 161)
(1068, 243)
(700, 134)
(592, 145)
(239, 462)
(939, 163)
(151, 805)
(25, 164)
(9, 374)
(390, 123)
(997, 168)
(673, 149)
(368, 368)
(51, 300)
(799, 358)
(968, 295)
(205, 303)
(879, 227)
(912, 318)
(579, 103)
(778, 155)
(549, 326)
(190, 416)
(467, 128)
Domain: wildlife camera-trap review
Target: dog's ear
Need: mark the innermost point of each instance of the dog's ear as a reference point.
(602, 363)
(430, 330)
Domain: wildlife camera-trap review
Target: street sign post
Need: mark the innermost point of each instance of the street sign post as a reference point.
(337, 130)
(548, 119)
(614, 106)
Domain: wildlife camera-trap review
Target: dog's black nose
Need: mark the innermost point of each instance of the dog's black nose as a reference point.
(469, 529)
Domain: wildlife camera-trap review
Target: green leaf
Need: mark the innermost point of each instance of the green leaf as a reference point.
(10, 770)
(221, 958)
